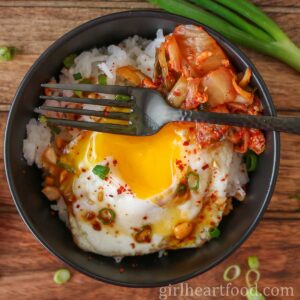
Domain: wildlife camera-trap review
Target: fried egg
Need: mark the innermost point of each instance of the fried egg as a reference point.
(142, 190)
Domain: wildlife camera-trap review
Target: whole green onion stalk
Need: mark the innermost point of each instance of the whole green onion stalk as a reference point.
(241, 22)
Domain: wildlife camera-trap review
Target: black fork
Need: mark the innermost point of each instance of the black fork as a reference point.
(148, 112)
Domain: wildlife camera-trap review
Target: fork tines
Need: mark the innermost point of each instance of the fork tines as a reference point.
(103, 127)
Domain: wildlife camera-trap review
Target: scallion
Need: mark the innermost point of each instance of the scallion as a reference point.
(78, 94)
(69, 61)
(61, 276)
(106, 215)
(251, 161)
(241, 22)
(77, 76)
(122, 97)
(214, 233)
(65, 166)
(101, 171)
(253, 262)
(193, 180)
(232, 272)
(102, 80)
(250, 281)
(7, 53)
(254, 294)
(181, 189)
(42, 119)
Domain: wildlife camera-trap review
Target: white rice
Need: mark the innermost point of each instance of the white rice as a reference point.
(38, 138)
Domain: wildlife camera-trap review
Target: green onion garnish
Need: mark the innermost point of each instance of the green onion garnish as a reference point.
(7, 53)
(106, 215)
(181, 189)
(69, 61)
(85, 81)
(61, 276)
(251, 161)
(193, 180)
(252, 281)
(122, 97)
(214, 233)
(102, 80)
(101, 171)
(77, 76)
(65, 166)
(253, 262)
(254, 294)
(42, 119)
(235, 270)
(240, 21)
(55, 129)
(78, 93)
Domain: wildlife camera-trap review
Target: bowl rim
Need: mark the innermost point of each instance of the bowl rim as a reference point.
(70, 34)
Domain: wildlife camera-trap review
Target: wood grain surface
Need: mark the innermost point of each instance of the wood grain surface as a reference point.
(26, 268)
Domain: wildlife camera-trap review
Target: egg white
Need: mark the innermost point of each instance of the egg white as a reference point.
(132, 212)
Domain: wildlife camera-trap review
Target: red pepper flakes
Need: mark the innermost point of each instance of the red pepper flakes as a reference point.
(121, 270)
(132, 245)
(83, 170)
(145, 218)
(212, 223)
(176, 93)
(121, 190)
(115, 162)
(96, 226)
(186, 143)
(78, 205)
(179, 164)
(205, 167)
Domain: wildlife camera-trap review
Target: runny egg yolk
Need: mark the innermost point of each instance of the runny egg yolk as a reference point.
(146, 164)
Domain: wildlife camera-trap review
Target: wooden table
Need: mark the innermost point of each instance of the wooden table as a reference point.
(26, 268)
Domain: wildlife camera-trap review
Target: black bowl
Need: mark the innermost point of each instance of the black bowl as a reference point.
(25, 182)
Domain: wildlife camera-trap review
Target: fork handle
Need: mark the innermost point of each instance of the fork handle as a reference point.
(283, 124)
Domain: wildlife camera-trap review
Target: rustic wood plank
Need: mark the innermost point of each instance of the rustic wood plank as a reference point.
(25, 263)
(50, 23)
(137, 3)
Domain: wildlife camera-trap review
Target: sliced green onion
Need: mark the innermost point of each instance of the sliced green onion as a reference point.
(214, 233)
(102, 80)
(254, 294)
(7, 53)
(181, 189)
(101, 171)
(253, 262)
(65, 166)
(77, 76)
(106, 215)
(122, 97)
(42, 119)
(235, 270)
(78, 94)
(69, 61)
(85, 81)
(251, 161)
(61, 276)
(250, 281)
(193, 180)
(55, 129)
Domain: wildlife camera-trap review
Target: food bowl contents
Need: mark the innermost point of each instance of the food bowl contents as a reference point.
(126, 195)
